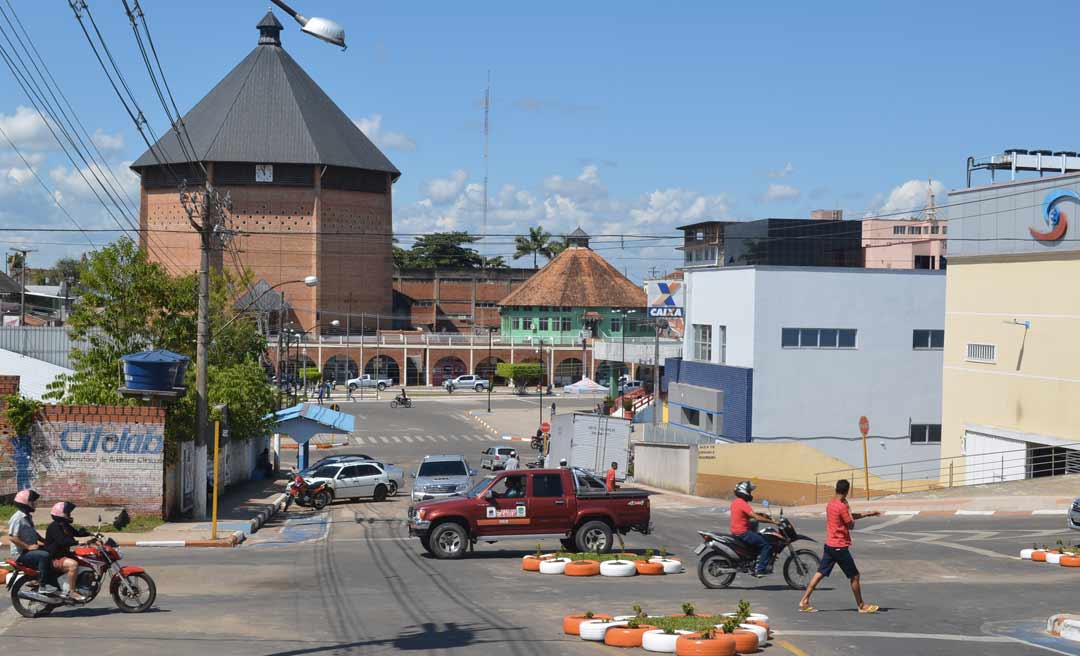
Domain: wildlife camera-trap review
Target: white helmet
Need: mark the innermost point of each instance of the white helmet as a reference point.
(744, 490)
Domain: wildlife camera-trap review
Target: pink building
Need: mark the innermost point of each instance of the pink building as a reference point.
(904, 243)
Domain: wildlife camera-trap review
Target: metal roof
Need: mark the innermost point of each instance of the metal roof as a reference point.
(339, 421)
(268, 110)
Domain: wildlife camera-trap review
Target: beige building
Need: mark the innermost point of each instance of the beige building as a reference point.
(1011, 381)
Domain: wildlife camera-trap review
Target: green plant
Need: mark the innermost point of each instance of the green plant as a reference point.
(538, 552)
(668, 630)
(638, 612)
(688, 609)
(741, 614)
(634, 623)
(21, 412)
(663, 552)
(589, 614)
(648, 554)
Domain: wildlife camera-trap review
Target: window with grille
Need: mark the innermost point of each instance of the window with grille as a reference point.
(923, 340)
(818, 338)
(566, 324)
(703, 342)
(981, 353)
(616, 325)
(543, 323)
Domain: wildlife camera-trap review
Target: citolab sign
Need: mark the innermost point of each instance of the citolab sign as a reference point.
(665, 298)
(1054, 215)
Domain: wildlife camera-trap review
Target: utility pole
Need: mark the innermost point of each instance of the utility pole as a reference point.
(656, 376)
(22, 283)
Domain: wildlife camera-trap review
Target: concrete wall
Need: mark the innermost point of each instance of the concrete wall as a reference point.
(666, 466)
(722, 297)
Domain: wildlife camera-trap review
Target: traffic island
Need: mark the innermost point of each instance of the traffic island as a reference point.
(618, 565)
(1065, 556)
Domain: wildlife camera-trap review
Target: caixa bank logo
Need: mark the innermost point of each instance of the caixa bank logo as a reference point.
(78, 440)
(1054, 215)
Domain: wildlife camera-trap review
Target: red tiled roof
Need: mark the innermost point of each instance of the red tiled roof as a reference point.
(578, 277)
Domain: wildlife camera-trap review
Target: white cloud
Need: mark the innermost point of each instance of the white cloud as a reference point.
(443, 190)
(372, 127)
(780, 192)
(108, 142)
(907, 199)
(586, 186)
(784, 172)
(27, 129)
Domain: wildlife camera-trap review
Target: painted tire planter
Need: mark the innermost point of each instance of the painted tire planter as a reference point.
(581, 568)
(670, 565)
(1070, 561)
(761, 632)
(554, 566)
(1053, 558)
(1038, 556)
(570, 623)
(530, 564)
(649, 569)
(746, 642)
(624, 636)
(761, 623)
(691, 644)
(618, 568)
(660, 559)
(1026, 553)
(760, 617)
(658, 641)
(595, 629)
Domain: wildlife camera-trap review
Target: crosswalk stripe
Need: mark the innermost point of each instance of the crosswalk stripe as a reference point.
(407, 438)
(429, 438)
(484, 437)
(443, 438)
(384, 439)
(467, 438)
(357, 439)
(397, 440)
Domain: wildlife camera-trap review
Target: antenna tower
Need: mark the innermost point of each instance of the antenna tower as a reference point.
(483, 223)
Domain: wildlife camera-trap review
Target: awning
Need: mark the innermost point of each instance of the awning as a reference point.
(592, 316)
(304, 421)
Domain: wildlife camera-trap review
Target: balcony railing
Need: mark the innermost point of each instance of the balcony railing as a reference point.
(432, 339)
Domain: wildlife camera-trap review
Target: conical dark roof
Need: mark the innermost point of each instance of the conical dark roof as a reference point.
(268, 110)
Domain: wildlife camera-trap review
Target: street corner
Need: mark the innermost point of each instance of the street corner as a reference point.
(1038, 633)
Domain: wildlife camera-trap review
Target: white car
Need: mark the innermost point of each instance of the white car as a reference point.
(354, 480)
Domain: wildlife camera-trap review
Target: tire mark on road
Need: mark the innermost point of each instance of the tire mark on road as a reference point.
(337, 603)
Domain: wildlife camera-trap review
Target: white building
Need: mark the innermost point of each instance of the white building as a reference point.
(800, 353)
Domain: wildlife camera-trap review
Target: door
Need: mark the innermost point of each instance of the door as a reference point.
(992, 459)
(485, 459)
(367, 478)
(507, 512)
(345, 485)
(548, 503)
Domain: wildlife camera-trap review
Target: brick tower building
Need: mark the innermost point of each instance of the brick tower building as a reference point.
(310, 192)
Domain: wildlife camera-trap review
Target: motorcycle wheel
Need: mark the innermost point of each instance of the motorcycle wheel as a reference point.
(799, 568)
(141, 597)
(715, 571)
(27, 607)
(408, 404)
(393, 404)
(320, 500)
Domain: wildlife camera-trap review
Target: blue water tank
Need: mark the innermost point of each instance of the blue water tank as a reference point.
(158, 370)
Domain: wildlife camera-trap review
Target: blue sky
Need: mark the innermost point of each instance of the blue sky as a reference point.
(627, 117)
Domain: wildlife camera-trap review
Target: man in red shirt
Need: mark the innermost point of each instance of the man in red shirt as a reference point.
(609, 480)
(838, 522)
(741, 515)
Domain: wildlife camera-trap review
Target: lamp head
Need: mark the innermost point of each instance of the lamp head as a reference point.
(311, 281)
(325, 29)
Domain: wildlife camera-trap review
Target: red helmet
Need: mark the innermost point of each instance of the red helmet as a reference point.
(62, 510)
(27, 498)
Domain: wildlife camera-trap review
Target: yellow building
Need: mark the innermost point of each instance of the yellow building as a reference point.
(1011, 380)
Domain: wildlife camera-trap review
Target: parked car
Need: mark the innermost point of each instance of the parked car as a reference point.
(1074, 515)
(470, 381)
(629, 386)
(396, 474)
(367, 381)
(532, 504)
(441, 476)
(354, 479)
(329, 460)
(495, 457)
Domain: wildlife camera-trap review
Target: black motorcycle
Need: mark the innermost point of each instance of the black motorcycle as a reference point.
(723, 556)
(401, 402)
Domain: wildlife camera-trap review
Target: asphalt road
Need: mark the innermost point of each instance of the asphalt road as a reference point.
(350, 581)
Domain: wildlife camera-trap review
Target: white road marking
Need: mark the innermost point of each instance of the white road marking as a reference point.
(892, 634)
(974, 512)
(357, 439)
(890, 513)
(1048, 511)
(888, 522)
(443, 438)
(407, 438)
(467, 438)
(935, 539)
(384, 439)
(397, 440)
(429, 438)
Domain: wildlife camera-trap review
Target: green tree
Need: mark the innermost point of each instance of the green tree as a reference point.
(537, 242)
(441, 250)
(522, 373)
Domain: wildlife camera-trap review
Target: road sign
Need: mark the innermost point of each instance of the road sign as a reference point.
(864, 425)
(545, 427)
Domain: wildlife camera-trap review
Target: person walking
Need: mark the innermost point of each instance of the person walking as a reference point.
(839, 521)
(552, 409)
(512, 462)
(322, 390)
(609, 480)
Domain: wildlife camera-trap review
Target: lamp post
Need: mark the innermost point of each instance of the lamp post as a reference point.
(625, 324)
(491, 383)
(320, 28)
(300, 349)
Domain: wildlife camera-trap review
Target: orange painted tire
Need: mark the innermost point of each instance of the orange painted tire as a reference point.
(1038, 556)
(571, 623)
(649, 569)
(1069, 561)
(692, 645)
(530, 564)
(746, 642)
(624, 636)
(762, 623)
(581, 568)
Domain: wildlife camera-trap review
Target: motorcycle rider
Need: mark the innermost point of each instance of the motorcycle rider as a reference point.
(59, 538)
(403, 398)
(741, 515)
(26, 542)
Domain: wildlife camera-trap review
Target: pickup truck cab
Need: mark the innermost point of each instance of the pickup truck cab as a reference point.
(530, 504)
(368, 382)
(471, 381)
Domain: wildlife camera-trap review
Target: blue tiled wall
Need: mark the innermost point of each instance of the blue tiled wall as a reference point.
(736, 382)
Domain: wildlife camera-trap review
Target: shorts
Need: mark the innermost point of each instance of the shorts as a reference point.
(838, 556)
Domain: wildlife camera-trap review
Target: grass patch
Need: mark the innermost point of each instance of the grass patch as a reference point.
(600, 557)
(139, 524)
(6, 511)
(691, 623)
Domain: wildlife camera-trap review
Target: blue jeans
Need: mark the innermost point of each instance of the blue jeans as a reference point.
(40, 560)
(763, 546)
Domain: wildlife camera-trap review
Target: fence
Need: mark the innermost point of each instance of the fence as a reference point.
(672, 434)
(51, 344)
(956, 471)
(431, 339)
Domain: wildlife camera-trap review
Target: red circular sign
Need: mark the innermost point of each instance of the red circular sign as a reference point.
(864, 425)
(546, 427)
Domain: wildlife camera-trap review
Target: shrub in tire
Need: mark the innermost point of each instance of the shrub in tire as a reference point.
(746, 642)
(649, 569)
(594, 629)
(553, 565)
(444, 536)
(1069, 561)
(530, 564)
(694, 644)
(618, 568)
(1039, 556)
(658, 641)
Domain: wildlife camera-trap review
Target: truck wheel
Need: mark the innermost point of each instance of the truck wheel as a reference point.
(479, 387)
(425, 542)
(449, 541)
(593, 537)
(381, 387)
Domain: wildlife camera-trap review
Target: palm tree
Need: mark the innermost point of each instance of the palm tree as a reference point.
(537, 242)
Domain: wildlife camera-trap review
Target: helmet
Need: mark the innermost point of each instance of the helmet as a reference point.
(744, 490)
(27, 498)
(513, 454)
(62, 510)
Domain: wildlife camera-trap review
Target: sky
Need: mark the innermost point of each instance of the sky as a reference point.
(625, 118)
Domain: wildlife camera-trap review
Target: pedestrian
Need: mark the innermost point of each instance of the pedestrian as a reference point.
(609, 480)
(562, 463)
(512, 462)
(552, 409)
(839, 521)
(322, 389)
(348, 392)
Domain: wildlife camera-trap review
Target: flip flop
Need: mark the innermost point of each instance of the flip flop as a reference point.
(870, 609)
(807, 609)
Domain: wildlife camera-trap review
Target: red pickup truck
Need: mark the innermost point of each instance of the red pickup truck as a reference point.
(569, 504)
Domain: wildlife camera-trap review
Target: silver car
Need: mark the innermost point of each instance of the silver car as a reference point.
(393, 472)
(354, 479)
(495, 457)
(441, 476)
(1074, 515)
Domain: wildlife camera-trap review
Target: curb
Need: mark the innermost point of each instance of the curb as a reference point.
(1064, 625)
(517, 439)
(484, 424)
(954, 513)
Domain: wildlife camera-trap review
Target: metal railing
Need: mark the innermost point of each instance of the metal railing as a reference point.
(432, 339)
(956, 471)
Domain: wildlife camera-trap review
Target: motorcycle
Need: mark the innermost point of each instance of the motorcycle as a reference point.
(401, 402)
(132, 589)
(722, 556)
(302, 493)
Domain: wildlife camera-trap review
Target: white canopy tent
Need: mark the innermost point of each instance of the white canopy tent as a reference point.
(585, 386)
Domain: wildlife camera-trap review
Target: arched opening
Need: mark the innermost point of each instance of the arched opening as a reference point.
(568, 371)
(414, 370)
(383, 366)
(447, 368)
(339, 369)
(606, 370)
(299, 365)
(486, 369)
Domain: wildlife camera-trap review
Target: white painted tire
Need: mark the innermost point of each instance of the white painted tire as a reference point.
(1053, 559)
(554, 566)
(1026, 553)
(595, 629)
(753, 616)
(671, 566)
(762, 634)
(618, 568)
(658, 641)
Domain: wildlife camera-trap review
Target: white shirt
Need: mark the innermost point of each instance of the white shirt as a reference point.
(512, 463)
(21, 526)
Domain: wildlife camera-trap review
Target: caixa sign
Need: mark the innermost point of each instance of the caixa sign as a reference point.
(78, 440)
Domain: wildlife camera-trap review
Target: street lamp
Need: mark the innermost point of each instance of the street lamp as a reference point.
(491, 383)
(320, 28)
(310, 281)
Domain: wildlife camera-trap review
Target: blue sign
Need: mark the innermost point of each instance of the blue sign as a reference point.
(99, 441)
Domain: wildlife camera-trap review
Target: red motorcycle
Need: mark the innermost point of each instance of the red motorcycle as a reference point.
(315, 495)
(131, 588)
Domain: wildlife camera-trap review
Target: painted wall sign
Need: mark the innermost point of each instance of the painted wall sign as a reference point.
(1054, 215)
(665, 298)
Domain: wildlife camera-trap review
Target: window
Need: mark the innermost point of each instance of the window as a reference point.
(566, 324)
(986, 353)
(820, 338)
(899, 230)
(934, 230)
(515, 323)
(691, 417)
(366, 470)
(443, 468)
(924, 261)
(926, 433)
(547, 485)
(928, 339)
(944, 230)
(703, 342)
(509, 487)
(329, 471)
(543, 323)
(616, 325)
(723, 343)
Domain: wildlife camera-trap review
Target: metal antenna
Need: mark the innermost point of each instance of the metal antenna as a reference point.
(483, 224)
